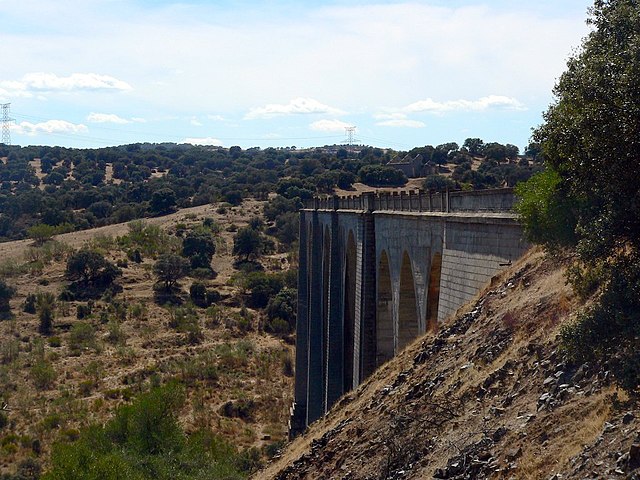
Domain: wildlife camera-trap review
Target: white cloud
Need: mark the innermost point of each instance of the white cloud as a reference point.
(329, 126)
(50, 126)
(106, 118)
(195, 122)
(33, 84)
(76, 81)
(397, 120)
(204, 141)
(402, 122)
(294, 107)
(484, 103)
(216, 118)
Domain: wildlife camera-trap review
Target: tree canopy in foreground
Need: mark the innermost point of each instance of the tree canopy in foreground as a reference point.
(589, 196)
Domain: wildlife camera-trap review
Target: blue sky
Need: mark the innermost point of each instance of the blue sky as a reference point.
(91, 73)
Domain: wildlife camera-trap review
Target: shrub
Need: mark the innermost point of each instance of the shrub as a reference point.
(42, 374)
(29, 305)
(83, 311)
(45, 306)
(547, 215)
(198, 294)
(144, 441)
(283, 305)
(82, 337)
(262, 286)
(6, 293)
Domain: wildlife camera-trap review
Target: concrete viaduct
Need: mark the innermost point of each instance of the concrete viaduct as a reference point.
(378, 270)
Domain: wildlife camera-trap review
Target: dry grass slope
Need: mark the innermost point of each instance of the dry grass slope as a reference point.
(55, 385)
(488, 396)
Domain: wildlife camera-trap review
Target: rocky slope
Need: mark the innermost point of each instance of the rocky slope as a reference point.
(488, 396)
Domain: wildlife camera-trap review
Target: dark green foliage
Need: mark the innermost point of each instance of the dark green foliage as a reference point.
(243, 408)
(261, 287)
(610, 331)
(185, 320)
(145, 441)
(82, 337)
(382, 176)
(591, 144)
(90, 267)
(199, 247)
(546, 214)
(198, 294)
(6, 294)
(287, 228)
(475, 146)
(45, 307)
(163, 201)
(282, 307)
(83, 311)
(248, 243)
(438, 183)
(169, 269)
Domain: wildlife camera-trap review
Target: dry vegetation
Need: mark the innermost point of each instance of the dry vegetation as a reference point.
(488, 396)
(238, 379)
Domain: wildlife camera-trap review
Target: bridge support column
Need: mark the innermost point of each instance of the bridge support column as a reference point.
(315, 377)
(368, 292)
(298, 419)
(335, 340)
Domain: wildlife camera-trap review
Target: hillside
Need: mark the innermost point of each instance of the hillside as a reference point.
(488, 396)
(103, 352)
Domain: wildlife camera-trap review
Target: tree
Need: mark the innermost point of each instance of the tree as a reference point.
(163, 201)
(591, 140)
(6, 293)
(382, 176)
(170, 268)
(495, 151)
(41, 233)
(199, 247)
(474, 145)
(90, 266)
(248, 243)
(511, 151)
(438, 182)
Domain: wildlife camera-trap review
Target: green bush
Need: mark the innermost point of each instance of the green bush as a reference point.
(82, 337)
(283, 306)
(261, 287)
(145, 441)
(42, 374)
(45, 306)
(6, 293)
(546, 214)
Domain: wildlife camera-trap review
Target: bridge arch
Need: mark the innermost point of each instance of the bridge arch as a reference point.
(384, 312)
(408, 318)
(349, 311)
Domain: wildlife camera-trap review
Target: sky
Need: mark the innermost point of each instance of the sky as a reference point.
(94, 73)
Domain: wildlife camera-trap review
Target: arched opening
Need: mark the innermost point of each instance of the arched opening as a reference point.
(407, 311)
(384, 312)
(349, 312)
(433, 295)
